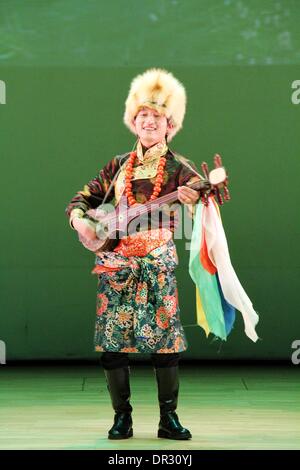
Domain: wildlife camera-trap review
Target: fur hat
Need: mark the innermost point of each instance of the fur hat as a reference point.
(160, 90)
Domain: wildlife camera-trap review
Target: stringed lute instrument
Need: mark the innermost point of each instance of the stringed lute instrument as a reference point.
(111, 226)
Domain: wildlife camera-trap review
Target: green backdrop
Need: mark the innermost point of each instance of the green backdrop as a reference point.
(67, 66)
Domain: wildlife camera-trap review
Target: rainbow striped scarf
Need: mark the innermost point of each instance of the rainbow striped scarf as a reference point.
(218, 290)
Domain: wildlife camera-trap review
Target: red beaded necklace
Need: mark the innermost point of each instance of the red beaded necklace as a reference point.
(128, 176)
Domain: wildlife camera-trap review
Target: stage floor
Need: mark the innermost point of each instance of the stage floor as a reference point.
(68, 407)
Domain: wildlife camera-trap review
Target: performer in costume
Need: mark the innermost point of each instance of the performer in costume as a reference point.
(137, 303)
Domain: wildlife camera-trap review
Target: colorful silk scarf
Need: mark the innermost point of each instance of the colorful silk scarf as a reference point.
(218, 289)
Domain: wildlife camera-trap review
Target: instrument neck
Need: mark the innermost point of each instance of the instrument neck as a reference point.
(157, 203)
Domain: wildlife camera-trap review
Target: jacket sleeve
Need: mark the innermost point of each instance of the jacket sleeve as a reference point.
(186, 175)
(92, 194)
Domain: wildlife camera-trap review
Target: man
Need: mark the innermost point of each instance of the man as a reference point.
(137, 302)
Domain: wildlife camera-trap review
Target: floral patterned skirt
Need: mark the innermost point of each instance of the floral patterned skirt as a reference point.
(137, 302)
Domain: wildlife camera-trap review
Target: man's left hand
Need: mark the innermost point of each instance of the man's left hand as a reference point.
(187, 195)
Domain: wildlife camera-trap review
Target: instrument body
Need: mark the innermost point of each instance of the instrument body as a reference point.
(112, 226)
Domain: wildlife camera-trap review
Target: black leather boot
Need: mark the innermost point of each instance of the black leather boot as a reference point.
(168, 387)
(119, 390)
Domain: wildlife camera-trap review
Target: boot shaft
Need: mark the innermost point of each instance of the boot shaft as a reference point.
(118, 385)
(168, 387)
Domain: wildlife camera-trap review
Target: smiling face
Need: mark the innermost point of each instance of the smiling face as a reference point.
(151, 126)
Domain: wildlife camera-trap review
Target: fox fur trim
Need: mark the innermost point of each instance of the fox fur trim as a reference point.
(160, 90)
